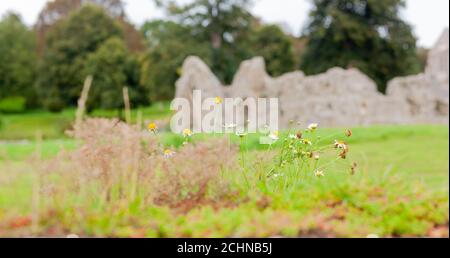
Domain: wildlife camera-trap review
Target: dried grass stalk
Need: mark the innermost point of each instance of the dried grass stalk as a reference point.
(126, 101)
(118, 161)
(82, 100)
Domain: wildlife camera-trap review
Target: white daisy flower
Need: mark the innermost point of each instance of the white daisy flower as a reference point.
(241, 134)
(275, 136)
(168, 153)
(319, 173)
(340, 145)
(313, 126)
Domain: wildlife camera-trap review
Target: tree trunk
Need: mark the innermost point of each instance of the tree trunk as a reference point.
(216, 40)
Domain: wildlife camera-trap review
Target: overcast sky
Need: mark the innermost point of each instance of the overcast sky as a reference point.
(428, 17)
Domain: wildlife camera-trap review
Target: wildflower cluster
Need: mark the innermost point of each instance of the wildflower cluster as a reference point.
(301, 153)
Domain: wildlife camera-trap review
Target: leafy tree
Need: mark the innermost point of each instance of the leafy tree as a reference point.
(366, 34)
(17, 59)
(113, 68)
(219, 22)
(69, 44)
(168, 45)
(58, 10)
(276, 47)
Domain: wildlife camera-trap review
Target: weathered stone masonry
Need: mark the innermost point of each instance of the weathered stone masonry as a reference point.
(338, 97)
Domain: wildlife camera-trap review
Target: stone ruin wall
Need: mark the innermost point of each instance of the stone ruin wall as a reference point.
(337, 97)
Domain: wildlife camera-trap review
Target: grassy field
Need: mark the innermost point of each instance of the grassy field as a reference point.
(416, 152)
(400, 188)
(53, 125)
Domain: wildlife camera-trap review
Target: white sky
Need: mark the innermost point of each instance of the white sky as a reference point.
(428, 17)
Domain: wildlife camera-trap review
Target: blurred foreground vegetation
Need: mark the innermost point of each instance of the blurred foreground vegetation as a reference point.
(400, 189)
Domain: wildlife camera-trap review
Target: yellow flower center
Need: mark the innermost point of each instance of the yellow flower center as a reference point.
(218, 100)
(187, 132)
(152, 127)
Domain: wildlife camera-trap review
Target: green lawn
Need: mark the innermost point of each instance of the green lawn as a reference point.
(54, 125)
(400, 189)
(417, 152)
